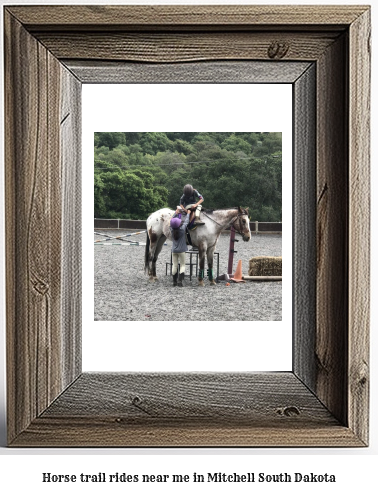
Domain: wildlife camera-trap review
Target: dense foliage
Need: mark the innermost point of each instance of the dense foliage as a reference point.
(138, 173)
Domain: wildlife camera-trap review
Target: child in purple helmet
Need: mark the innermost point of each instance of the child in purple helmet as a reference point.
(179, 247)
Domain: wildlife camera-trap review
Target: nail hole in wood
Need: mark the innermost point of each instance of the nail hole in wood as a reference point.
(136, 400)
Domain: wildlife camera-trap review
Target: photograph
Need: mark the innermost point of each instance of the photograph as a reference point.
(191, 210)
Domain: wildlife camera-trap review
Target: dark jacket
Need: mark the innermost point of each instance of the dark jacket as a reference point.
(191, 199)
(179, 246)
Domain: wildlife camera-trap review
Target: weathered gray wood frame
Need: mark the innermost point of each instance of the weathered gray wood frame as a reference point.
(49, 53)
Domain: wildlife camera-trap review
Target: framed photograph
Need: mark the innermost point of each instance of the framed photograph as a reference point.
(323, 52)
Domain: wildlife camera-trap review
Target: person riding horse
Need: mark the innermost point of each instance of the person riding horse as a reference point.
(189, 204)
(205, 237)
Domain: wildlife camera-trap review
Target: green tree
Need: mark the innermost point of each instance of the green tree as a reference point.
(152, 142)
(236, 143)
(109, 139)
(124, 194)
(228, 168)
(182, 146)
(169, 162)
(99, 204)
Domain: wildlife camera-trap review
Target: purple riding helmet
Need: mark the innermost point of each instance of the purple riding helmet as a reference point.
(175, 223)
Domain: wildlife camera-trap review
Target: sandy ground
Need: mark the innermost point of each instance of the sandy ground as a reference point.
(123, 292)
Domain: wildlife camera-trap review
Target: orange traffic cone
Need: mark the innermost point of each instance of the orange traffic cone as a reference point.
(238, 273)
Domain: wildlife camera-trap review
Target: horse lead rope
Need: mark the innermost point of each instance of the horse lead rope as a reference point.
(204, 213)
(232, 221)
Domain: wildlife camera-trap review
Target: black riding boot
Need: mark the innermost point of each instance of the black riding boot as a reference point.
(175, 278)
(181, 279)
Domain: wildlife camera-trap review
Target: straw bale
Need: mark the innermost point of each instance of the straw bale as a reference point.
(265, 266)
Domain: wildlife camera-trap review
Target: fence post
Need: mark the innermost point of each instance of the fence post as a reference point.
(231, 251)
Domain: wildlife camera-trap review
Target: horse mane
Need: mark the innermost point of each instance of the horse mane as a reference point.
(211, 210)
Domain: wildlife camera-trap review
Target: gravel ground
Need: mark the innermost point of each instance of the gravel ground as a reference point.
(123, 292)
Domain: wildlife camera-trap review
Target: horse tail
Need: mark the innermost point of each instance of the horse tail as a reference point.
(147, 253)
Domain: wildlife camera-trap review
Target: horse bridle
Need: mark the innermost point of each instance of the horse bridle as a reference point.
(237, 217)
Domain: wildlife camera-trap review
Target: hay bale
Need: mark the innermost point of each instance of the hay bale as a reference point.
(265, 266)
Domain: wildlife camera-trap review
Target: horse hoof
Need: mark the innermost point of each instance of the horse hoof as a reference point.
(201, 283)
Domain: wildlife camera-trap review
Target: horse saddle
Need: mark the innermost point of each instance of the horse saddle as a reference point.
(192, 225)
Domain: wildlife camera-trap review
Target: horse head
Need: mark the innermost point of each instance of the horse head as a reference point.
(241, 223)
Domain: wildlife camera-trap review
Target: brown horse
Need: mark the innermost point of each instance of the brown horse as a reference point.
(204, 237)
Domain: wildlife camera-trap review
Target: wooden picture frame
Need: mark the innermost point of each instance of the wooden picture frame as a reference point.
(49, 52)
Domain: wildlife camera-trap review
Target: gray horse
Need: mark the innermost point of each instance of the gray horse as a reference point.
(204, 237)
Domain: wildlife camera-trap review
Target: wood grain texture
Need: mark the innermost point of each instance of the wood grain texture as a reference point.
(230, 409)
(70, 138)
(304, 227)
(34, 227)
(33, 192)
(203, 72)
(184, 16)
(217, 396)
(100, 432)
(180, 47)
(331, 351)
(359, 226)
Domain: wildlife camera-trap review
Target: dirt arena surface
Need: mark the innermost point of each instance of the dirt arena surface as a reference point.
(123, 292)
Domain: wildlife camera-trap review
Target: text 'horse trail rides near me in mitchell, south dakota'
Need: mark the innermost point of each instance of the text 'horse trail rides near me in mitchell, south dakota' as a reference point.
(204, 237)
